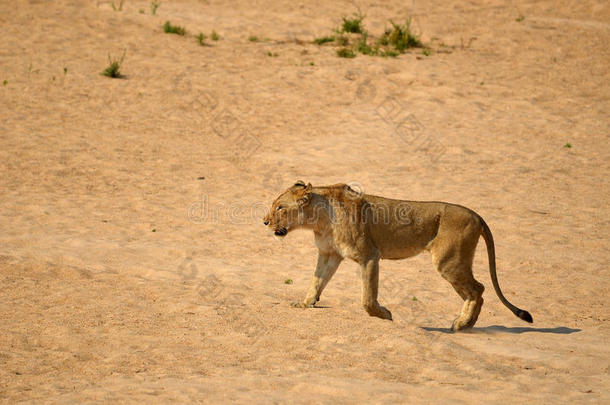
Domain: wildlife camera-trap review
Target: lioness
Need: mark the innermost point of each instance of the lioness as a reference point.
(366, 228)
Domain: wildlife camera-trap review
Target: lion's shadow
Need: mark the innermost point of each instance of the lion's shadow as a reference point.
(560, 330)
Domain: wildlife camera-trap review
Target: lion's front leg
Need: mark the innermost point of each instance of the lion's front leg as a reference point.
(325, 269)
(370, 286)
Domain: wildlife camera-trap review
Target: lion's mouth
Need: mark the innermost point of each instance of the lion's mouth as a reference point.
(281, 232)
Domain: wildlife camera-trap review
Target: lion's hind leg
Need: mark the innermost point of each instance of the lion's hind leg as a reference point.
(471, 292)
(472, 305)
(454, 263)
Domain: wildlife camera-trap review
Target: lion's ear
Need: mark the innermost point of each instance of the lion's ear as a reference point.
(300, 183)
(306, 196)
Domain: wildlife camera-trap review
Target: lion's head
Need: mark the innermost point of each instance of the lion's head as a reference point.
(288, 210)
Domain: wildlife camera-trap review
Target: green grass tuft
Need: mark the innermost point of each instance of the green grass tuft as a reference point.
(288, 281)
(391, 43)
(253, 38)
(401, 37)
(168, 28)
(201, 39)
(154, 6)
(323, 40)
(388, 53)
(353, 25)
(114, 67)
(363, 47)
(346, 53)
(214, 36)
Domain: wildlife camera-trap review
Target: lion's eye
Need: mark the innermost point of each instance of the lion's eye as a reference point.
(279, 207)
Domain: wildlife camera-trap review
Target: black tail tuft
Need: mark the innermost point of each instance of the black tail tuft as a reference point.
(526, 316)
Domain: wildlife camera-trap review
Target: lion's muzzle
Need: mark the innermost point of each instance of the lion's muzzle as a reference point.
(281, 232)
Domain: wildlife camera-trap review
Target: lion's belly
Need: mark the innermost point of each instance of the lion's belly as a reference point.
(399, 251)
(398, 254)
(400, 242)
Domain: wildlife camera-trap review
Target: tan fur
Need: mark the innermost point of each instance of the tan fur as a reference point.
(366, 228)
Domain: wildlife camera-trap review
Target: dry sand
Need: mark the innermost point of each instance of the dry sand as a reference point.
(115, 287)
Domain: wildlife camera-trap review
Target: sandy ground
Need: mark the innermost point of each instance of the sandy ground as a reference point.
(126, 278)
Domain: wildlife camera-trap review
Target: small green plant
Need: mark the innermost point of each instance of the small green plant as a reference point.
(253, 38)
(272, 54)
(388, 53)
(114, 67)
(65, 70)
(414, 298)
(214, 36)
(201, 39)
(520, 18)
(288, 281)
(363, 47)
(117, 7)
(311, 63)
(323, 40)
(141, 11)
(567, 145)
(391, 43)
(168, 28)
(4, 82)
(154, 6)
(353, 25)
(346, 53)
(401, 37)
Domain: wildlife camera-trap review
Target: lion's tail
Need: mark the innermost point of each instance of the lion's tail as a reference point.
(491, 253)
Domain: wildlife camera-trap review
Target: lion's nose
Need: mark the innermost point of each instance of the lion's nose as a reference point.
(266, 222)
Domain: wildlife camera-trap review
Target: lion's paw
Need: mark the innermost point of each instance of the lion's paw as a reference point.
(301, 305)
(461, 325)
(378, 311)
